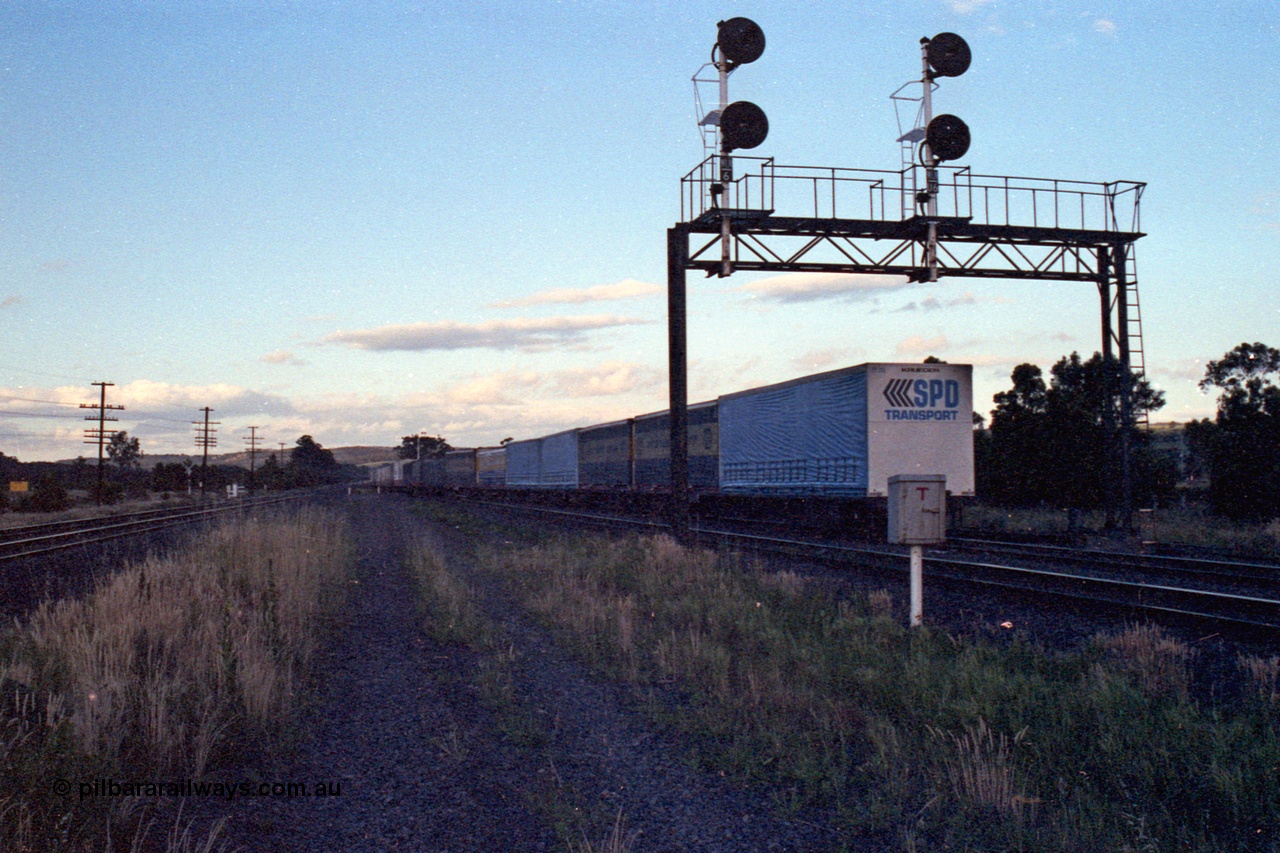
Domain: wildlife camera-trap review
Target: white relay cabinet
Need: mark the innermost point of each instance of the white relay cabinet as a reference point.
(917, 509)
(917, 517)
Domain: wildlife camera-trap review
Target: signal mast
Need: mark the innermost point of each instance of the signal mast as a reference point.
(932, 139)
(740, 124)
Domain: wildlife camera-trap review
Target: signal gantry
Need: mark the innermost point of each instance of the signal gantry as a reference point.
(930, 218)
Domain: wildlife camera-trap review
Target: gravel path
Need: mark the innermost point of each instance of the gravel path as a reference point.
(383, 729)
(425, 766)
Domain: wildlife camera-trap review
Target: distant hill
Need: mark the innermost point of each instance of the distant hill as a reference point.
(343, 456)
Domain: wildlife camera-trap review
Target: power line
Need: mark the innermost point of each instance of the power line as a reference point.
(40, 415)
(33, 400)
(41, 373)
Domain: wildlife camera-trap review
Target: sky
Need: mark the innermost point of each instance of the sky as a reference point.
(360, 221)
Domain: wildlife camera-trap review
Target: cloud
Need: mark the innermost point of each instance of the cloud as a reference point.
(1265, 207)
(527, 334)
(1183, 370)
(809, 287)
(145, 395)
(608, 379)
(505, 388)
(916, 345)
(626, 289)
(933, 303)
(282, 356)
(520, 387)
(966, 7)
(820, 359)
(60, 265)
(1105, 26)
(11, 301)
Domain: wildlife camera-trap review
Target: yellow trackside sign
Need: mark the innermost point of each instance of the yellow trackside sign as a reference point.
(18, 485)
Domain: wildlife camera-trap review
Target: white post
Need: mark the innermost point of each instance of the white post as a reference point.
(726, 174)
(917, 586)
(917, 517)
(931, 167)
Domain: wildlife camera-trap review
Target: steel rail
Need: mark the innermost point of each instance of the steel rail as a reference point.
(1217, 607)
(89, 534)
(28, 530)
(1259, 575)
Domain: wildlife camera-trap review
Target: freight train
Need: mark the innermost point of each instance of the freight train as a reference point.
(842, 434)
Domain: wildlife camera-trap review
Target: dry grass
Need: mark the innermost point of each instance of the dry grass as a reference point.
(881, 602)
(980, 768)
(1159, 663)
(1194, 525)
(454, 614)
(617, 840)
(943, 742)
(152, 671)
(1263, 676)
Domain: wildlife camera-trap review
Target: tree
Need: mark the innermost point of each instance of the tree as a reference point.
(271, 474)
(312, 465)
(1014, 459)
(47, 495)
(422, 447)
(124, 452)
(1243, 446)
(1049, 442)
(1077, 403)
(169, 477)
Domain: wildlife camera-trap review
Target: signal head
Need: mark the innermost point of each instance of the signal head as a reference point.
(947, 137)
(743, 125)
(740, 41)
(948, 55)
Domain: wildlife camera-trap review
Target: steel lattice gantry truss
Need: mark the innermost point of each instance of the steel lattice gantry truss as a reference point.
(873, 222)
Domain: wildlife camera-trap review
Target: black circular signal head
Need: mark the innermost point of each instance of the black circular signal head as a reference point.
(948, 55)
(740, 40)
(743, 125)
(948, 137)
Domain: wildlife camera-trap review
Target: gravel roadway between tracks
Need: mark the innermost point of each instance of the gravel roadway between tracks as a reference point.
(425, 766)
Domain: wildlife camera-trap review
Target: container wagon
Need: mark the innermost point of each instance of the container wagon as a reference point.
(606, 455)
(391, 473)
(524, 463)
(844, 433)
(460, 467)
(652, 468)
(430, 472)
(491, 467)
(558, 467)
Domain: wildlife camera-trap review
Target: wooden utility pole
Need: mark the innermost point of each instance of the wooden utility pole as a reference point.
(99, 436)
(254, 441)
(205, 439)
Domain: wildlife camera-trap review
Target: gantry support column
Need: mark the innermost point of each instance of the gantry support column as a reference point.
(678, 373)
(1119, 256)
(1109, 435)
(1117, 414)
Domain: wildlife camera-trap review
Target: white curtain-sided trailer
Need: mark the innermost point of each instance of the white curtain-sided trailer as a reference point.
(848, 431)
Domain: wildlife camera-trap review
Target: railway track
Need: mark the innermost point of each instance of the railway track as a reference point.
(41, 539)
(1164, 588)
